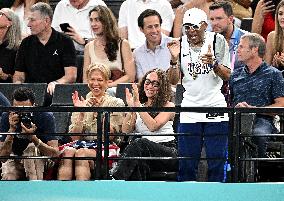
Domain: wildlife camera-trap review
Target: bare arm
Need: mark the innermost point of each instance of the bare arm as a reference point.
(69, 77)
(269, 48)
(19, 77)
(154, 124)
(223, 72)
(123, 32)
(87, 62)
(261, 10)
(48, 149)
(177, 29)
(6, 146)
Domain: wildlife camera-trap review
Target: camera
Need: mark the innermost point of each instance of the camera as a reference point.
(26, 118)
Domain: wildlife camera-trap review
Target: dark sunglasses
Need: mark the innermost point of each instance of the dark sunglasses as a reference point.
(154, 83)
(192, 26)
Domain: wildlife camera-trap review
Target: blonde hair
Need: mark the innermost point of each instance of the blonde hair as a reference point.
(101, 67)
(13, 34)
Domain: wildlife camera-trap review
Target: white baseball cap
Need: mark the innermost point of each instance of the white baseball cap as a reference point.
(194, 16)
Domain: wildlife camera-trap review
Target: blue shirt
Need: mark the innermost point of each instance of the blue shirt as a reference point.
(45, 124)
(233, 46)
(259, 88)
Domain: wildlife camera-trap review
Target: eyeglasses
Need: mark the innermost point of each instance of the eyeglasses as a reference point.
(3, 14)
(154, 83)
(192, 26)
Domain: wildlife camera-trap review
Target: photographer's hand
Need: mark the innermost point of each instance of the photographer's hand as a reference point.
(29, 131)
(13, 121)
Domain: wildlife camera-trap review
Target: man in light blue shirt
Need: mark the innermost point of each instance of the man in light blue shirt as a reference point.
(222, 21)
(154, 53)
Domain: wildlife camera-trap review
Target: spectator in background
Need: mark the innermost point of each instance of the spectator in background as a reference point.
(257, 85)
(128, 15)
(108, 48)
(202, 80)
(154, 91)
(222, 21)
(76, 14)
(27, 143)
(274, 47)
(46, 56)
(154, 52)
(263, 20)
(86, 122)
(201, 4)
(10, 39)
(6, 3)
(22, 9)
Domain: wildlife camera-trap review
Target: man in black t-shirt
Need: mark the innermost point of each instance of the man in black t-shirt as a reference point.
(34, 129)
(46, 56)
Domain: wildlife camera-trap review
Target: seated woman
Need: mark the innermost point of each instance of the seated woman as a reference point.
(108, 48)
(154, 91)
(274, 54)
(86, 122)
(10, 39)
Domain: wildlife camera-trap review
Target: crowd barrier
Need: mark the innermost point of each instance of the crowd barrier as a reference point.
(234, 137)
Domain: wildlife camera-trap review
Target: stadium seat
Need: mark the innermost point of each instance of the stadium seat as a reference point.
(246, 24)
(120, 90)
(38, 88)
(63, 93)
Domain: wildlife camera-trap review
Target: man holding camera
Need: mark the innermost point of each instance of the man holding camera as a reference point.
(32, 140)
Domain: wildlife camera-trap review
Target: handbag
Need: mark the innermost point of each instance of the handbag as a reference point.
(116, 73)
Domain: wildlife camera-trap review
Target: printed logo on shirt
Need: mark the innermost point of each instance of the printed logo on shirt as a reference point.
(55, 53)
(198, 68)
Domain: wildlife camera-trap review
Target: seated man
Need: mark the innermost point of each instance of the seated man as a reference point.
(28, 143)
(256, 84)
(46, 56)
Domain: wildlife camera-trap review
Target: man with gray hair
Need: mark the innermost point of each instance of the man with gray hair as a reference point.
(256, 84)
(46, 56)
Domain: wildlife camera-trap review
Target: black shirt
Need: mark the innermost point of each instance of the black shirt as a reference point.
(45, 124)
(45, 63)
(7, 61)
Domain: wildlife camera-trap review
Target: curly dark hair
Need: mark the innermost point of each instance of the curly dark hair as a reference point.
(110, 30)
(164, 94)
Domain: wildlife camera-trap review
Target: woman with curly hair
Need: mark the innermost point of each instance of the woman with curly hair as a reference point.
(108, 48)
(275, 47)
(154, 91)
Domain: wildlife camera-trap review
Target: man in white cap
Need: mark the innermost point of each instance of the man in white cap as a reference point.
(204, 63)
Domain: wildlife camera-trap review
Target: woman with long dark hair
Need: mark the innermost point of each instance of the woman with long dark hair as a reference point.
(108, 48)
(154, 91)
(275, 45)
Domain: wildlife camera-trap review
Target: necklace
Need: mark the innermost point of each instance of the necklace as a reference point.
(198, 50)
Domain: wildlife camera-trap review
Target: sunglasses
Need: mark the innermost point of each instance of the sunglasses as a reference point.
(3, 14)
(154, 83)
(192, 26)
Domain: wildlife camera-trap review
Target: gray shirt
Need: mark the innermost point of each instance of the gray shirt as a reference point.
(146, 59)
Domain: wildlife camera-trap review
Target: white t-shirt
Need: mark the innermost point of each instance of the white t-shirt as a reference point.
(130, 11)
(202, 86)
(20, 11)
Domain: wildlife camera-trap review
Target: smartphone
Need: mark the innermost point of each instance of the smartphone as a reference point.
(64, 27)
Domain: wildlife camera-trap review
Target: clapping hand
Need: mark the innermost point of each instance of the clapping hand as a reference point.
(78, 102)
(174, 48)
(278, 59)
(132, 99)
